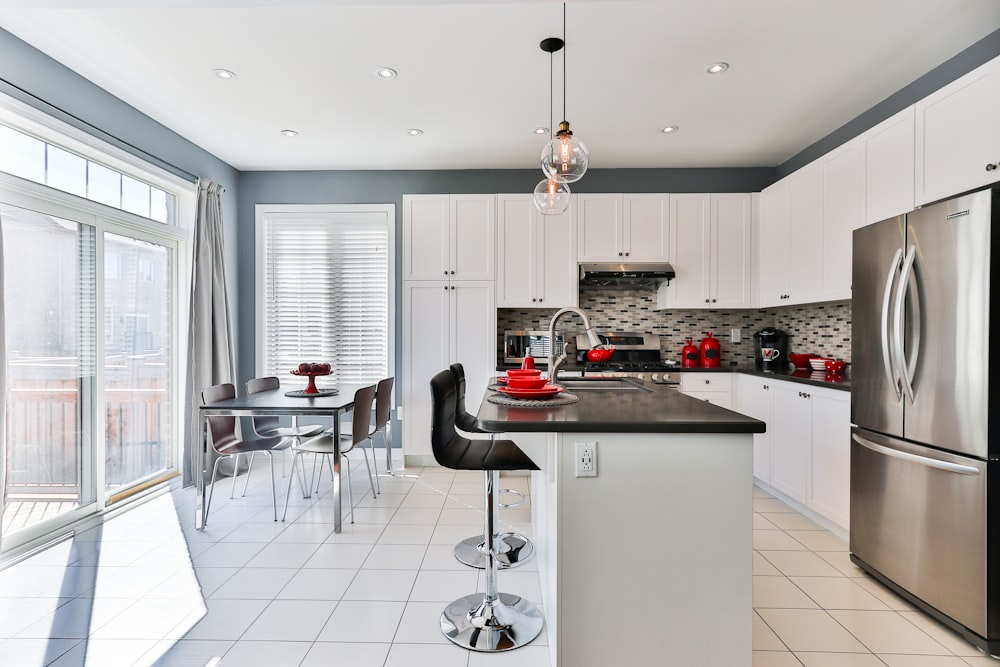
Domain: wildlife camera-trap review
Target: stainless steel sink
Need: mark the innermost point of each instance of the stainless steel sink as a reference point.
(601, 384)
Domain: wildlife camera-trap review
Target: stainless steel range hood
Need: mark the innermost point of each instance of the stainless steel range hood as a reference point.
(626, 275)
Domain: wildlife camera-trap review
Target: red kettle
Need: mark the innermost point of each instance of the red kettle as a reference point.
(690, 357)
(711, 351)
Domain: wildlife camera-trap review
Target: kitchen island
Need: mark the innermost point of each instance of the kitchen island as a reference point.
(650, 561)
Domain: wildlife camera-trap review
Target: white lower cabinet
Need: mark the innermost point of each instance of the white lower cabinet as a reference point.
(716, 388)
(753, 398)
(805, 453)
(443, 322)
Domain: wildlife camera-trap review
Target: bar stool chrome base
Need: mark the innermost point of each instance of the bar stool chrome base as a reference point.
(478, 624)
(513, 549)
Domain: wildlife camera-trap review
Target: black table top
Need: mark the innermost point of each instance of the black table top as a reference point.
(661, 410)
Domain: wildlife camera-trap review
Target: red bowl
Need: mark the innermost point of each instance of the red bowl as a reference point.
(802, 360)
(524, 373)
(835, 365)
(600, 354)
(527, 383)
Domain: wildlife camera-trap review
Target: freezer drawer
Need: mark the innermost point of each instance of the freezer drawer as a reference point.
(919, 517)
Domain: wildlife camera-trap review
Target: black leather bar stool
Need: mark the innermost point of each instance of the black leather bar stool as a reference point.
(492, 621)
(512, 549)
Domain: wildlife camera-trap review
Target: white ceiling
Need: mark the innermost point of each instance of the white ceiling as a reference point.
(472, 76)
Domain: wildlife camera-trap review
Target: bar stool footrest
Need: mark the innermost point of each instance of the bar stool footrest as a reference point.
(514, 550)
(514, 504)
(476, 624)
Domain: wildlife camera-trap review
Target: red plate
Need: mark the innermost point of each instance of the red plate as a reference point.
(501, 379)
(548, 391)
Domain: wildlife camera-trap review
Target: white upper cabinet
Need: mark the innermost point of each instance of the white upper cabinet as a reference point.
(710, 242)
(619, 228)
(958, 136)
(843, 198)
(775, 226)
(448, 237)
(889, 155)
(646, 234)
(791, 248)
(537, 266)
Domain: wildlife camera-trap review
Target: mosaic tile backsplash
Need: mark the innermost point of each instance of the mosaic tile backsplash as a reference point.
(823, 328)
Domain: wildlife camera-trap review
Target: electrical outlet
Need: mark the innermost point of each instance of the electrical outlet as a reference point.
(586, 459)
(734, 335)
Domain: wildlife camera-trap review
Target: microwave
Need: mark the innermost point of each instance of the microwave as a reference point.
(520, 344)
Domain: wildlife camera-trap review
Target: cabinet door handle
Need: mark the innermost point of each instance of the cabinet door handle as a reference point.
(619, 254)
(706, 300)
(626, 254)
(766, 387)
(534, 300)
(713, 300)
(453, 287)
(445, 288)
(707, 381)
(991, 167)
(446, 272)
(539, 299)
(452, 273)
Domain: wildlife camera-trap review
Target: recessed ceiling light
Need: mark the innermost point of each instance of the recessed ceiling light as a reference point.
(224, 73)
(385, 73)
(541, 130)
(670, 129)
(717, 68)
(414, 132)
(290, 133)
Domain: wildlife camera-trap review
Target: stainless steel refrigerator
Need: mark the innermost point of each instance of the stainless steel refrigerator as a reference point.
(924, 473)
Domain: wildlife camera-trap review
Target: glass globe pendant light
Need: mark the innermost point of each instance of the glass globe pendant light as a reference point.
(551, 197)
(565, 158)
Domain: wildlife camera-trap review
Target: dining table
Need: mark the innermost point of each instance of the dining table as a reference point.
(275, 402)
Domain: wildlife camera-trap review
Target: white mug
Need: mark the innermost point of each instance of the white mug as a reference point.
(770, 353)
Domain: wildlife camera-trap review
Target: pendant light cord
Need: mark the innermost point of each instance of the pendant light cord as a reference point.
(564, 61)
(552, 84)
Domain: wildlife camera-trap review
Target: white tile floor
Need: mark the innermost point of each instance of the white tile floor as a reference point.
(144, 588)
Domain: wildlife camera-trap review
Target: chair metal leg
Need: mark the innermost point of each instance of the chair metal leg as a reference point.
(288, 491)
(274, 493)
(371, 446)
(246, 482)
(494, 621)
(236, 466)
(211, 490)
(371, 478)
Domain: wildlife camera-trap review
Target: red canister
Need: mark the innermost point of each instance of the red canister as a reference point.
(690, 357)
(711, 351)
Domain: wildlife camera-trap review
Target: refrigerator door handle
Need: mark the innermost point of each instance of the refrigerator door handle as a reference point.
(887, 354)
(899, 353)
(915, 458)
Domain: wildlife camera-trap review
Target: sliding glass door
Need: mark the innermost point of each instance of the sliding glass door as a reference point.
(50, 309)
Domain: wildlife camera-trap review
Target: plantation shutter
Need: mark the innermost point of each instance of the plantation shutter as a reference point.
(327, 294)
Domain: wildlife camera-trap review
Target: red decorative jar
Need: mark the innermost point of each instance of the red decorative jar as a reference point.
(690, 357)
(711, 351)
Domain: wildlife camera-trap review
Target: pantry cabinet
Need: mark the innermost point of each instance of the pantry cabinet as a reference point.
(710, 249)
(537, 265)
(444, 322)
(618, 228)
(449, 237)
(958, 136)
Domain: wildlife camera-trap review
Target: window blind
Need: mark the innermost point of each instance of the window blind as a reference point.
(326, 295)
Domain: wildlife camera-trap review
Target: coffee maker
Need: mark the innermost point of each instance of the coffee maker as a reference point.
(770, 349)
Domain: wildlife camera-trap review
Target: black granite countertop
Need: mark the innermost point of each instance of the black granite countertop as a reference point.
(660, 409)
(840, 381)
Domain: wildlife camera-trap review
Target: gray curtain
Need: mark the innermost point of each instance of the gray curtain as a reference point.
(210, 331)
(3, 394)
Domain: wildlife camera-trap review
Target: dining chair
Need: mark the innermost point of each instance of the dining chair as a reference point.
(269, 426)
(381, 425)
(227, 444)
(323, 445)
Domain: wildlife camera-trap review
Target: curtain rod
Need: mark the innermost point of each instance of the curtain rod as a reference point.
(72, 119)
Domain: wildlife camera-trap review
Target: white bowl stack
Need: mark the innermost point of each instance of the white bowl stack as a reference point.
(818, 364)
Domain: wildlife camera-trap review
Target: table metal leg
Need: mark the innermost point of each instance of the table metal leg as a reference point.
(336, 473)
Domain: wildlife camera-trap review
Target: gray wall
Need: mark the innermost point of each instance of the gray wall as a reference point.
(982, 51)
(36, 79)
(388, 187)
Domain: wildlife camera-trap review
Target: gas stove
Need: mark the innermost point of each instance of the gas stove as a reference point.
(635, 355)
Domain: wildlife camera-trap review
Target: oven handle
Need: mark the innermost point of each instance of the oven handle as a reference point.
(915, 458)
